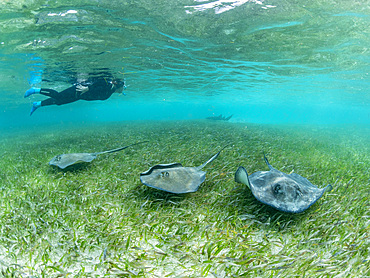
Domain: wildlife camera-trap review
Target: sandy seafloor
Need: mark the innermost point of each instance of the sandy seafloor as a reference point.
(98, 219)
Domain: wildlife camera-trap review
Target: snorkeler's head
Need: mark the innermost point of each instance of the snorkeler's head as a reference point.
(119, 84)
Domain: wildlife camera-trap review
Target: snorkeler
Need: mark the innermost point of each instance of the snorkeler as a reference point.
(94, 89)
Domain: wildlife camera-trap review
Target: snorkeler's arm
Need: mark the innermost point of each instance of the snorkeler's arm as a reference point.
(81, 89)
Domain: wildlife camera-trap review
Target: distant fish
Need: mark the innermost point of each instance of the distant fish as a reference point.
(219, 118)
(285, 192)
(175, 178)
(65, 160)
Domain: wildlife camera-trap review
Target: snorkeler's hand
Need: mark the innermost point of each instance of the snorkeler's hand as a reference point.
(81, 89)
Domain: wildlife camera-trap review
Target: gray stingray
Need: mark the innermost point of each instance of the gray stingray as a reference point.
(65, 160)
(175, 178)
(285, 192)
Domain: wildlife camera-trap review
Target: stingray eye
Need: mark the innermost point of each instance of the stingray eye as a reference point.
(164, 174)
(277, 189)
(58, 158)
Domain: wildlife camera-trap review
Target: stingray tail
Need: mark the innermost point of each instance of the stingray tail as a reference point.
(267, 162)
(241, 176)
(122, 148)
(228, 118)
(212, 158)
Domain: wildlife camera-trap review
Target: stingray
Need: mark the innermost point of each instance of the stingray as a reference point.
(285, 192)
(175, 178)
(65, 160)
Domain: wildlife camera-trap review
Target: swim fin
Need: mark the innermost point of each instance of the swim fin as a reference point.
(32, 91)
(35, 105)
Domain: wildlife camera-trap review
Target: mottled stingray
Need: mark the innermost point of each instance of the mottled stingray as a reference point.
(65, 160)
(285, 192)
(175, 178)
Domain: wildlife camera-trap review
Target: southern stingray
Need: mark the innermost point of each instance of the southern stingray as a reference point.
(175, 178)
(65, 160)
(285, 192)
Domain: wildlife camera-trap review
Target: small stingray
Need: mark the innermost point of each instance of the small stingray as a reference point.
(65, 160)
(175, 178)
(285, 192)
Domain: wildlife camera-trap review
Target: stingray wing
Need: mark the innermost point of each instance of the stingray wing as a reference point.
(300, 179)
(173, 178)
(65, 160)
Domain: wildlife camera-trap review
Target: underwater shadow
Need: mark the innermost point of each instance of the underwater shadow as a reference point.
(156, 196)
(75, 168)
(249, 208)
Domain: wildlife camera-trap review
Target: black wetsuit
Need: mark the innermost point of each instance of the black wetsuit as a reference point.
(99, 89)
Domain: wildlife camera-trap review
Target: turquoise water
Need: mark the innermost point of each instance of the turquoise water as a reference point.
(262, 61)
